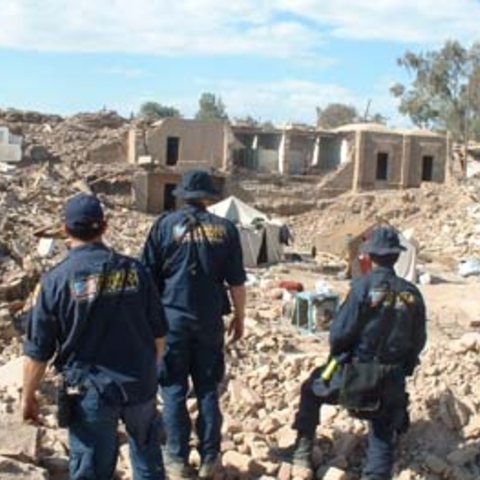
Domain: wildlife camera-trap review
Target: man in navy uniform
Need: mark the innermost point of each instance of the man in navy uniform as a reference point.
(101, 313)
(192, 254)
(383, 317)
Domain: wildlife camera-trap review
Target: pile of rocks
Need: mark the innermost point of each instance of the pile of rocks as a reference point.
(261, 390)
(98, 137)
(443, 218)
(260, 396)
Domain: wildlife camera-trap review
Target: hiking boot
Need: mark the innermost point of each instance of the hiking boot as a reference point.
(177, 470)
(208, 467)
(302, 455)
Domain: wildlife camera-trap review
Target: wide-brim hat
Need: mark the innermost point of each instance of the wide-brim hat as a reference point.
(383, 241)
(196, 184)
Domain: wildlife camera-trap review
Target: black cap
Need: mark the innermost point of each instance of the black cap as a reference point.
(83, 211)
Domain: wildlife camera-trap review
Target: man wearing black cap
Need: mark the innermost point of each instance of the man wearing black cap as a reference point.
(192, 254)
(99, 311)
(379, 330)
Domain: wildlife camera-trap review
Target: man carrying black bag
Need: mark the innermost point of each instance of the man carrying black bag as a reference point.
(375, 341)
(100, 313)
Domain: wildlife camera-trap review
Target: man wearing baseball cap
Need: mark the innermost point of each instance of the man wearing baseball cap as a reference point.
(381, 326)
(192, 254)
(98, 315)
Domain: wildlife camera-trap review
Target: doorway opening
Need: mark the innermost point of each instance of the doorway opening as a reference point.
(382, 166)
(427, 168)
(173, 149)
(169, 200)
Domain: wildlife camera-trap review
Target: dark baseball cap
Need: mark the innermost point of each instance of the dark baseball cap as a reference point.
(383, 241)
(84, 212)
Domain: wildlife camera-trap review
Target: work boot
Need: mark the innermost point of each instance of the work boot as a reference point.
(208, 467)
(178, 470)
(302, 455)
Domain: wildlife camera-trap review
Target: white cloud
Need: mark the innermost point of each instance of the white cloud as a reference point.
(293, 100)
(284, 28)
(121, 71)
(428, 21)
(287, 100)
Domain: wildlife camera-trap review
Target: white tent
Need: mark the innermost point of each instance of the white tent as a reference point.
(259, 236)
(237, 211)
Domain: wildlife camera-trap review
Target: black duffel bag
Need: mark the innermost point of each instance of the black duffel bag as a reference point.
(362, 388)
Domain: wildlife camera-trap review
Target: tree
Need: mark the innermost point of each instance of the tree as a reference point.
(337, 114)
(249, 121)
(444, 91)
(152, 111)
(211, 107)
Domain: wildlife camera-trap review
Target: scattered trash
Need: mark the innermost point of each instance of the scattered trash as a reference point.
(322, 287)
(469, 267)
(291, 285)
(425, 279)
(46, 247)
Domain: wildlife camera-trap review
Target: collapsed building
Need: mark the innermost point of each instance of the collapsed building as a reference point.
(357, 157)
(169, 147)
(353, 157)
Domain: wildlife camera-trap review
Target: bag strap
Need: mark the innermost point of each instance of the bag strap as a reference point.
(153, 234)
(382, 334)
(190, 222)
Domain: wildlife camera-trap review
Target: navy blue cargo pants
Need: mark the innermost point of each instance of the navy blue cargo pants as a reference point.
(93, 438)
(382, 428)
(192, 354)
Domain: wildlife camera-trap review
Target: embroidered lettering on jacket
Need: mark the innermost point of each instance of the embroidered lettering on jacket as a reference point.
(206, 232)
(113, 283)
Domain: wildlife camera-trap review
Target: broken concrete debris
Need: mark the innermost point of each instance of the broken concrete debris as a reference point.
(265, 370)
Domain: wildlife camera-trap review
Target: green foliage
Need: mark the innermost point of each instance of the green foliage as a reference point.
(152, 111)
(444, 91)
(248, 120)
(337, 114)
(211, 107)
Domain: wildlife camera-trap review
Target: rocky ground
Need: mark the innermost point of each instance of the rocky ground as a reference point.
(265, 369)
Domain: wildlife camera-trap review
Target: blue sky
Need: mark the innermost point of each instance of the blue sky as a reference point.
(273, 59)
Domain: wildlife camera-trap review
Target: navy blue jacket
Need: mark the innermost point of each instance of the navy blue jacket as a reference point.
(383, 316)
(191, 264)
(118, 341)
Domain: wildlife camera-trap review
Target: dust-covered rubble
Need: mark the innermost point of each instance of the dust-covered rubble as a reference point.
(265, 370)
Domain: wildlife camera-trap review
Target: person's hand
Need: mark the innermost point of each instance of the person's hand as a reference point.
(236, 328)
(30, 410)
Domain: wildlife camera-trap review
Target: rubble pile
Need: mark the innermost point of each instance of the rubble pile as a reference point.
(260, 395)
(86, 136)
(443, 218)
(31, 203)
(265, 370)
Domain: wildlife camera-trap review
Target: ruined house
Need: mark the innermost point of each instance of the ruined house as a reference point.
(168, 148)
(293, 150)
(182, 143)
(353, 157)
(376, 157)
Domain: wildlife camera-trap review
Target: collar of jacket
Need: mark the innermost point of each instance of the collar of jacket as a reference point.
(193, 208)
(379, 269)
(87, 247)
